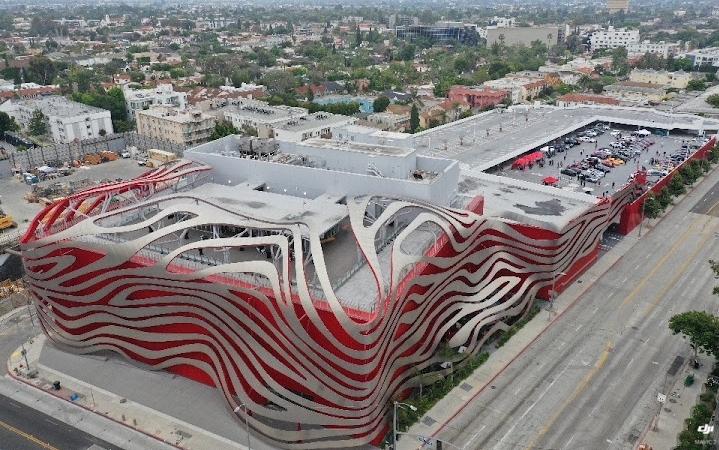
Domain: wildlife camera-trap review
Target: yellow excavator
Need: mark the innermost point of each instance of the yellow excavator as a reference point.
(6, 221)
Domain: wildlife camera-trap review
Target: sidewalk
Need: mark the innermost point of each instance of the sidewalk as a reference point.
(453, 403)
(159, 425)
(662, 433)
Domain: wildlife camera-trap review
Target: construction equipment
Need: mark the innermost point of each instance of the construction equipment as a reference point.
(6, 221)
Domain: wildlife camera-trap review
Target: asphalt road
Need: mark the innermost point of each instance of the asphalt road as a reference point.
(23, 428)
(592, 379)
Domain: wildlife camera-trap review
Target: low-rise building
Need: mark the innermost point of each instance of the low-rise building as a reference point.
(67, 121)
(704, 57)
(259, 115)
(677, 80)
(478, 97)
(661, 48)
(389, 121)
(548, 35)
(636, 93)
(163, 94)
(183, 127)
(569, 100)
(319, 124)
(613, 38)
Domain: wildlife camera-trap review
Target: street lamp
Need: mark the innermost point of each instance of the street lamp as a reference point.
(554, 292)
(394, 420)
(247, 421)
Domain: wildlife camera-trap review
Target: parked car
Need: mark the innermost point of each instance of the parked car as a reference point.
(568, 171)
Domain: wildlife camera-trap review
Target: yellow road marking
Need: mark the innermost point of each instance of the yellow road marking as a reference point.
(663, 260)
(581, 387)
(27, 436)
(679, 273)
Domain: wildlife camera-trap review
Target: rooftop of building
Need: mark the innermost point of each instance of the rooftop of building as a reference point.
(58, 106)
(491, 138)
(312, 121)
(160, 89)
(174, 114)
(262, 111)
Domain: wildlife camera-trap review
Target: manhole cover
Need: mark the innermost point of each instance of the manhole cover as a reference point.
(428, 421)
(466, 386)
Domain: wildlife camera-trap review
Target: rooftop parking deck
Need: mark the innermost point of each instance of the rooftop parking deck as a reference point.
(654, 155)
(489, 139)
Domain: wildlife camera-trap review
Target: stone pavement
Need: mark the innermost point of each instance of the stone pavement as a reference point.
(126, 410)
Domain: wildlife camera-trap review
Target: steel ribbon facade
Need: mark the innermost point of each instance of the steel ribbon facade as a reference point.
(311, 372)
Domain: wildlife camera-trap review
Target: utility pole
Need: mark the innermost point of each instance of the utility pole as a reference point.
(243, 407)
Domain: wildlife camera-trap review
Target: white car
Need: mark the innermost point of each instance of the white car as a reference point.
(615, 133)
(126, 155)
(587, 139)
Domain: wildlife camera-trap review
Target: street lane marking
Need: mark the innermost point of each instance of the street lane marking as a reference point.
(534, 404)
(580, 388)
(27, 436)
(474, 436)
(661, 262)
(680, 273)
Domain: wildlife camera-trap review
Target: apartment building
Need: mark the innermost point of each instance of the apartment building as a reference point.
(661, 48)
(388, 121)
(163, 94)
(615, 6)
(188, 128)
(319, 124)
(704, 57)
(480, 97)
(678, 80)
(613, 38)
(259, 115)
(67, 121)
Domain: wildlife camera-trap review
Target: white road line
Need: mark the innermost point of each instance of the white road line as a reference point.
(578, 328)
(569, 441)
(629, 363)
(521, 419)
(474, 436)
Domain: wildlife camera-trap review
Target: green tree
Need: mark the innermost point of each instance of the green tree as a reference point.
(676, 185)
(652, 207)
(137, 77)
(37, 125)
(223, 128)
(278, 81)
(7, 123)
(407, 52)
(700, 327)
(713, 100)
(696, 85)
(380, 103)
(620, 61)
(414, 119)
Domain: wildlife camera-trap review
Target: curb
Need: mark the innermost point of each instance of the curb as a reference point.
(550, 324)
(157, 438)
(529, 344)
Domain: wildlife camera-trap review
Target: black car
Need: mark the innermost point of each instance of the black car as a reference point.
(570, 172)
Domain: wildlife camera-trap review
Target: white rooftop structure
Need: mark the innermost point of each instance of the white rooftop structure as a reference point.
(330, 169)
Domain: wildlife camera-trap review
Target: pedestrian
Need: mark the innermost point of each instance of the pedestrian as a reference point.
(613, 184)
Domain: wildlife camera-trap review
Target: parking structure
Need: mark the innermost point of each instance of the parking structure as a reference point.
(600, 159)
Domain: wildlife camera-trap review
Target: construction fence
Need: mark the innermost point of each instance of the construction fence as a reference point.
(58, 154)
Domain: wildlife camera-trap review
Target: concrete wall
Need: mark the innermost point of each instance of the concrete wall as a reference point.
(316, 181)
(39, 156)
